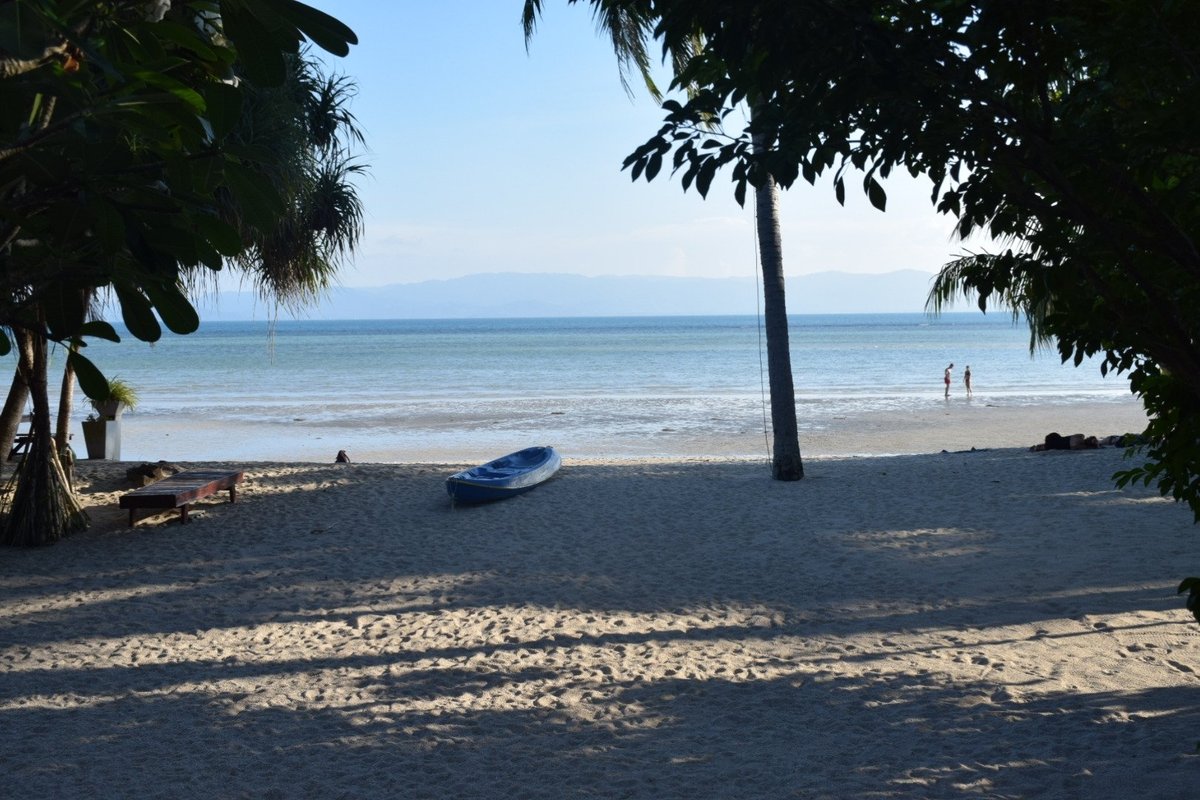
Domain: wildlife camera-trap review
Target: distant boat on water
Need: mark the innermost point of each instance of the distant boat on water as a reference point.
(504, 477)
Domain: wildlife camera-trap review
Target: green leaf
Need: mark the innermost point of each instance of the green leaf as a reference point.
(63, 305)
(91, 380)
(704, 178)
(177, 89)
(208, 257)
(875, 193)
(137, 313)
(21, 32)
(1192, 586)
(176, 311)
(70, 218)
(107, 224)
(688, 176)
(257, 200)
(99, 329)
(258, 51)
(653, 166)
(328, 33)
(223, 107)
(185, 37)
(224, 238)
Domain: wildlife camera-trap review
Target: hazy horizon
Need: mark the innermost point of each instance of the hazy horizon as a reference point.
(562, 294)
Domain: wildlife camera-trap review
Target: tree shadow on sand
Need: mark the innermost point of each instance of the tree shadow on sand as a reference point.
(844, 555)
(818, 735)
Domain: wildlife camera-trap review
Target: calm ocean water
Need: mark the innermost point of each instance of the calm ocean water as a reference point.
(400, 385)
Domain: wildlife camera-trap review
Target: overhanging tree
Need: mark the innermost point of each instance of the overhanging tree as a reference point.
(119, 165)
(1065, 129)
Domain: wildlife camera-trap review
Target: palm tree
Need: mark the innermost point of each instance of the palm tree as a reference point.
(42, 508)
(307, 127)
(630, 26)
(786, 464)
(304, 131)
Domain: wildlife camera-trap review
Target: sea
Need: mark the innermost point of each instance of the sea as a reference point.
(613, 386)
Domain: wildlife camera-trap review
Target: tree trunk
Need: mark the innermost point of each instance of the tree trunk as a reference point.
(62, 431)
(66, 396)
(18, 393)
(42, 508)
(786, 464)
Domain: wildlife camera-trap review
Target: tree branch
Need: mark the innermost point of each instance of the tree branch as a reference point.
(12, 67)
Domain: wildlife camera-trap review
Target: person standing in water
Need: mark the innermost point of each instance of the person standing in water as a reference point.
(967, 379)
(946, 378)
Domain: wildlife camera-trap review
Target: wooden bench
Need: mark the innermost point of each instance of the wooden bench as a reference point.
(180, 491)
(20, 445)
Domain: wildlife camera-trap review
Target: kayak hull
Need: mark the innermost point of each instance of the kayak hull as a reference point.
(507, 476)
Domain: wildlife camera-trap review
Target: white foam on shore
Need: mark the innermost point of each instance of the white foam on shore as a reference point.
(935, 426)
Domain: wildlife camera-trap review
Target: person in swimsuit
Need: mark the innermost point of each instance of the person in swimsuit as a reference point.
(967, 379)
(946, 378)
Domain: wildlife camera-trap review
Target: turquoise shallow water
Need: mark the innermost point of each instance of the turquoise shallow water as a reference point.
(402, 384)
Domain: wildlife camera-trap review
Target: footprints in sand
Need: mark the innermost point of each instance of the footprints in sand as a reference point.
(1179, 665)
(1153, 654)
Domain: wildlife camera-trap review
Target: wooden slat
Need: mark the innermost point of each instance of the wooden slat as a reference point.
(178, 491)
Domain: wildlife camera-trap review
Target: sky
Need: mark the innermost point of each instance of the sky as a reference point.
(486, 157)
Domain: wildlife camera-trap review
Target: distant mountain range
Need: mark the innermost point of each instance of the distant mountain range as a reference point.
(563, 295)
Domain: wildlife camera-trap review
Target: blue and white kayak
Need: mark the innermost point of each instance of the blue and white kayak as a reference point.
(504, 477)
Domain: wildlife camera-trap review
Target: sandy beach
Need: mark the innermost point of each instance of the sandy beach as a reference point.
(989, 624)
(958, 424)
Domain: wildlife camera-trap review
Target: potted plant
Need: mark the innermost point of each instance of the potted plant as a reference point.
(121, 396)
(102, 428)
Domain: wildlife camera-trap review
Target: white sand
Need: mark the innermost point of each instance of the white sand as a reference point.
(998, 624)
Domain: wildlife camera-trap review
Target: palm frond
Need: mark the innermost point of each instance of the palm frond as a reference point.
(628, 30)
(327, 110)
(628, 27)
(1005, 280)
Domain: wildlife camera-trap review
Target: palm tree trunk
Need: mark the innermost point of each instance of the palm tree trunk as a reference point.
(62, 429)
(66, 395)
(42, 508)
(18, 393)
(786, 464)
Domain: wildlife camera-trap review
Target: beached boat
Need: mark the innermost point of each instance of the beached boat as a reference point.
(504, 477)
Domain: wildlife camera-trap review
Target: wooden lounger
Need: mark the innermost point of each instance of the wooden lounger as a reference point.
(180, 491)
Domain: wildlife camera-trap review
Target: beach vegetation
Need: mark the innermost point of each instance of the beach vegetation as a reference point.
(1192, 587)
(1064, 133)
(128, 170)
(120, 393)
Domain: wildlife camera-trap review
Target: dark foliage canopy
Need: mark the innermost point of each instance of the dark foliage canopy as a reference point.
(1067, 130)
(119, 164)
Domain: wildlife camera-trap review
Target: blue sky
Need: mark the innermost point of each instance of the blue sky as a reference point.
(487, 158)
